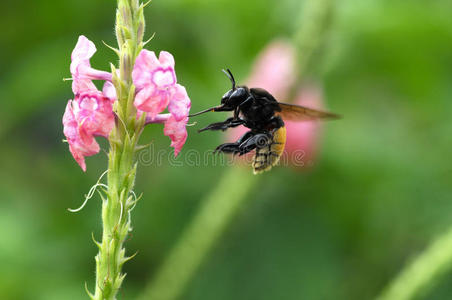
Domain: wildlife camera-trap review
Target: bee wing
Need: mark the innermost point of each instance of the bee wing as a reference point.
(294, 112)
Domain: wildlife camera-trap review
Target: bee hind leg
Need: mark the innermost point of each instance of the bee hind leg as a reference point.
(231, 148)
(259, 140)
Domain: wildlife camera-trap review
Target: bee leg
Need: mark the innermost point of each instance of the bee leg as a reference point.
(231, 122)
(258, 140)
(215, 126)
(234, 148)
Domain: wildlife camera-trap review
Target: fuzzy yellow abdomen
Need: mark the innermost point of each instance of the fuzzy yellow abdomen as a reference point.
(269, 155)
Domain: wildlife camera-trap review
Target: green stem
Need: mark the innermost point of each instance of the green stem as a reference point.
(214, 216)
(121, 162)
(420, 275)
(116, 224)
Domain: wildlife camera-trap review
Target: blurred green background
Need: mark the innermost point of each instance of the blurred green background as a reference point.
(379, 192)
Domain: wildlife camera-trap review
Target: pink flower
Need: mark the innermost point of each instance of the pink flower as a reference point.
(155, 80)
(157, 90)
(78, 147)
(89, 114)
(176, 121)
(81, 70)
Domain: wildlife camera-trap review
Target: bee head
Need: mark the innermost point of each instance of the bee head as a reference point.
(231, 99)
(236, 95)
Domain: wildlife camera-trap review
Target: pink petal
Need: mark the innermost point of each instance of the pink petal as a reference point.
(149, 70)
(79, 158)
(81, 70)
(94, 113)
(79, 145)
(145, 64)
(79, 150)
(151, 100)
(177, 132)
(164, 77)
(69, 123)
(86, 72)
(179, 105)
(109, 91)
(83, 51)
(82, 85)
(166, 60)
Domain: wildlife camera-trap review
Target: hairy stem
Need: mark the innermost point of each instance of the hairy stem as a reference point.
(213, 217)
(423, 271)
(121, 162)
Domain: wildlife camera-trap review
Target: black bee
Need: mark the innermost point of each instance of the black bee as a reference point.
(258, 110)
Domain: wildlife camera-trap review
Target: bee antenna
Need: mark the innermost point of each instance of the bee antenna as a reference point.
(230, 76)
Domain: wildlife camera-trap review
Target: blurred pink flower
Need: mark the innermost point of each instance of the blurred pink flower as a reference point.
(81, 70)
(275, 71)
(89, 114)
(155, 80)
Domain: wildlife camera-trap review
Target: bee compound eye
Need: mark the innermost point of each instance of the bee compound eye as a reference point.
(238, 93)
(226, 96)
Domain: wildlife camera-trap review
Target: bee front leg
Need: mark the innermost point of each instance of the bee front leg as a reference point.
(229, 123)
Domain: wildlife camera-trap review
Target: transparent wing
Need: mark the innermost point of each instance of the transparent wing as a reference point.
(294, 112)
